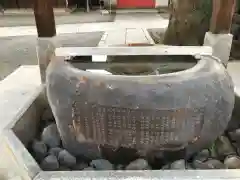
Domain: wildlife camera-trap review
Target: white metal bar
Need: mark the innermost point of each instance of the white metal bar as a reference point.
(143, 50)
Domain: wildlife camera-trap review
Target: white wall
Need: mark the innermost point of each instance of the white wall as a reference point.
(161, 3)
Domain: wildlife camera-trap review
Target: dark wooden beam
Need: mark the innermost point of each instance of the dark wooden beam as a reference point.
(222, 15)
(44, 17)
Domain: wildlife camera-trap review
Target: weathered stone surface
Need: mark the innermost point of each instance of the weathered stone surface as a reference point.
(223, 147)
(189, 166)
(115, 156)
(66, 159)
(139, 164)
(235, 135)
(80, 166)
(167, 166)
(71, 86)
(120, 167)
(50, 136)
(39, 149)
(179, 164)
(89, 169)
(47, 115)
(197, 164)
(214, 164)
(232, 162)
(64, 168)
(200, 159)
(101, 164)
(203, 155)
(55, 151)
(50, 163)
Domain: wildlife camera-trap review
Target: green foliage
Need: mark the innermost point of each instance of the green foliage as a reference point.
(213, 149)
(206, 8)
(238, 6)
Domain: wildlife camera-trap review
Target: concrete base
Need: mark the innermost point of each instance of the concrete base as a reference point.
(221, 44)
(19, 113)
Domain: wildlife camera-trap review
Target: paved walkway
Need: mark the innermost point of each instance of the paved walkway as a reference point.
(21, 50)
(18, 44)
(150, 21)
(14, 19)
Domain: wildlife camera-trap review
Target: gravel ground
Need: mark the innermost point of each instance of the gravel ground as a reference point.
(16, 51)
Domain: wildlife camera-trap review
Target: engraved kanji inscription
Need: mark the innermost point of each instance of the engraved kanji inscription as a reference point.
(137, 128)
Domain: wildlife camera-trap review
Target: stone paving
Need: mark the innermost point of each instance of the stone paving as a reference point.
(21, 50)
(18, 43)
(150, 21)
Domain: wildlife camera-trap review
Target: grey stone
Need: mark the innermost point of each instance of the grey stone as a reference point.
(179, 164)
(232, 162)
(215, 164)
(80, 166)
(198, 164)
(89, 169)
(55, 151)
(224, 147)
(235, 135)
(47, 115)
(63, 168)
(200, 158)
(66, 159)
(167, 166)
(189, 166)
(120, 167)
(39, 149)
(203, 155)
(210, 164)
(50, 163)
(101, 164)
(50, 136)
(139, 164)
(235, 145)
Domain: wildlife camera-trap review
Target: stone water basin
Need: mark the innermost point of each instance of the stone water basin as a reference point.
(22, 113)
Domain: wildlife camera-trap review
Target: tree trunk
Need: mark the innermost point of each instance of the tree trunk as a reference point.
(44, 17)
(188, 23)
(222, 15)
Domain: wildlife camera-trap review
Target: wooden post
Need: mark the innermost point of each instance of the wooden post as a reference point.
(44, 17)
(222, 15)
